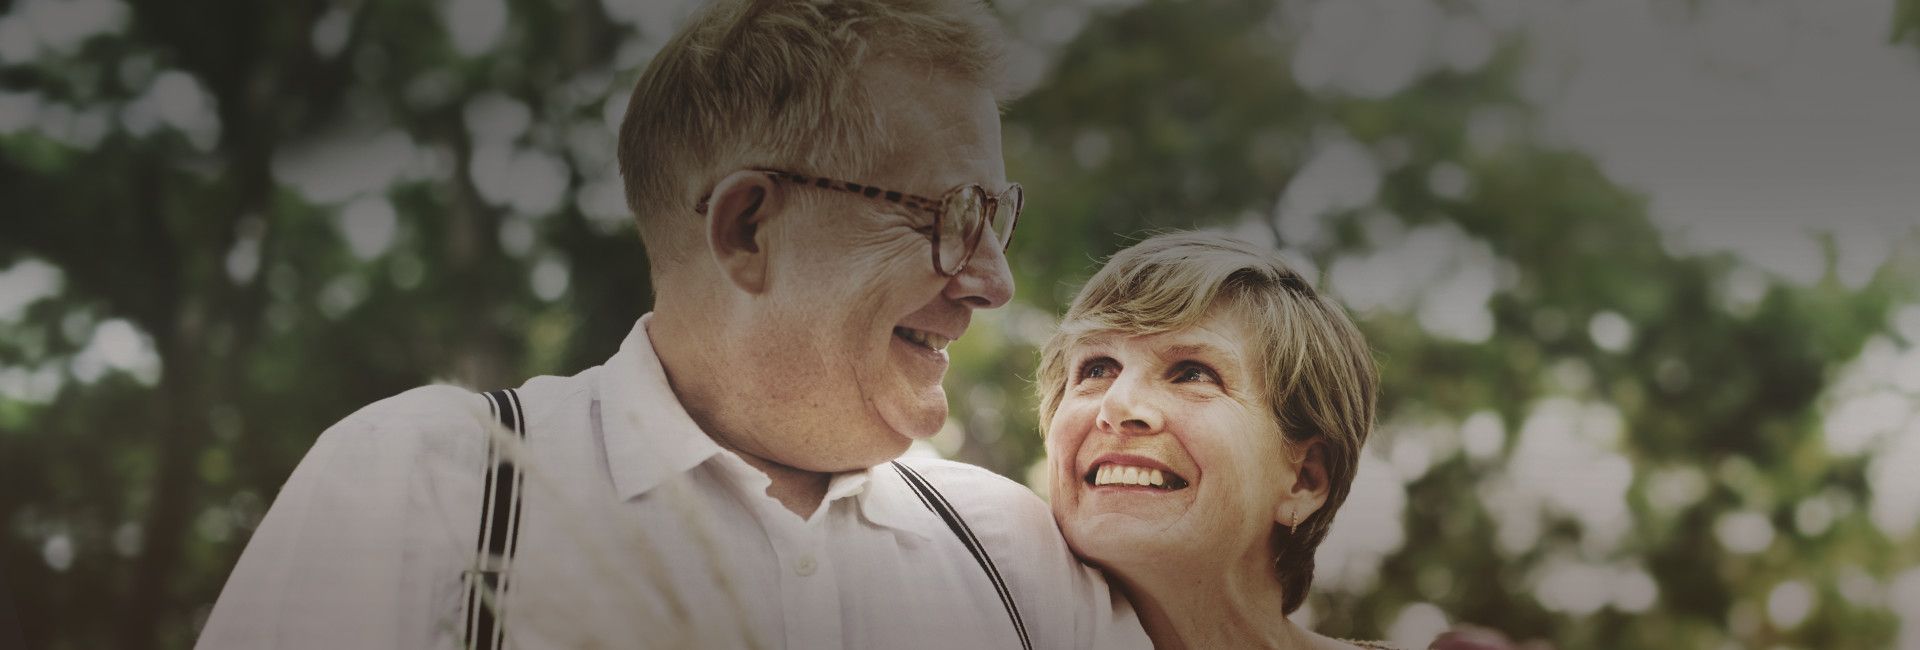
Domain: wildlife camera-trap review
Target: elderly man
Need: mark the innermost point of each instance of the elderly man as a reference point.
(820, 189)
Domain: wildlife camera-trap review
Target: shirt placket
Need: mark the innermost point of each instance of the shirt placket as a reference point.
(809, 587)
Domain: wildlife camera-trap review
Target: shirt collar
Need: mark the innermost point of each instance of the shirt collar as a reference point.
(889, 502)
(649, 437)
(648, 434)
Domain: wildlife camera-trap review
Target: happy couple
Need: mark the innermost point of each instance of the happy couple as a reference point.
(820, 190)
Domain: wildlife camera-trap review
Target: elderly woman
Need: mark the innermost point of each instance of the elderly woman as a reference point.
(1204, 410)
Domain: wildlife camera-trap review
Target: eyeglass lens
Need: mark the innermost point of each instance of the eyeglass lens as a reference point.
(1006, 210)
(960, 227)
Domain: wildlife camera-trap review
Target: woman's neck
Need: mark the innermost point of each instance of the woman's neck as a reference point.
(1213, 609)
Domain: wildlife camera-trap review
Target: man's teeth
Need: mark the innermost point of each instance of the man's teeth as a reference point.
(924, 339)
(1111, 474)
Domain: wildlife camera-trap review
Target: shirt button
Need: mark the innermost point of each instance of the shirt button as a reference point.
(805, 565)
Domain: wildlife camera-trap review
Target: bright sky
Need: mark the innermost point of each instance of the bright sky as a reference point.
(1749, 124)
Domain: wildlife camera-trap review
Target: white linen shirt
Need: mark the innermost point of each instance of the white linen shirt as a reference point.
(637, 530)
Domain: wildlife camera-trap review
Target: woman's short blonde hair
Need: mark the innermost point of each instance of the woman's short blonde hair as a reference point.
(1321, 380)
(777, 83)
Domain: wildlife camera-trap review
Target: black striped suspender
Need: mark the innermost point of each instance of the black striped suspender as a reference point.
(500, 533)
(933, 500)
(499, 530)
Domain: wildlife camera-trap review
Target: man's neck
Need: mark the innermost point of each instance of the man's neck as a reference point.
(685, 364)
(801, 491)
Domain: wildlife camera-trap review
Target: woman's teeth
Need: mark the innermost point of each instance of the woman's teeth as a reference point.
(1111, 474)
(927, 340)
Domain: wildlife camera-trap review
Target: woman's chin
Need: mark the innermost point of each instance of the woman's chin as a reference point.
(1124, 543)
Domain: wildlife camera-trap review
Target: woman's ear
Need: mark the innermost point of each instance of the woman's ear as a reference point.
(1310, 485)
(737, 212)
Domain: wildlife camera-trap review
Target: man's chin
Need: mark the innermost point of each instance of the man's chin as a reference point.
(864, 452)
(919, 417)
(914, 409)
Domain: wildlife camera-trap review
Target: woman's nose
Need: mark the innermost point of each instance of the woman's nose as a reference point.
(1130, 408)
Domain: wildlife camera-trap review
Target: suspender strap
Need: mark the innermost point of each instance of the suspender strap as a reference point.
(937, 502)
(499, 530)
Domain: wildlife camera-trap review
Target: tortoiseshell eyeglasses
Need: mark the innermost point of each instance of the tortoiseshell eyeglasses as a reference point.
(959, 217)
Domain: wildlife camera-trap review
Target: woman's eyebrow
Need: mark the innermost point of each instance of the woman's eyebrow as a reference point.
(1197, 350)
(1091, 342)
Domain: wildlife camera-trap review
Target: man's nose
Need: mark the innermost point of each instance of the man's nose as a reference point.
(1130, 408)
(986, 282)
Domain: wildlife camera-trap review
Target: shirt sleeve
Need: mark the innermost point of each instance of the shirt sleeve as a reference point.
(358, 549)
(1064, 603)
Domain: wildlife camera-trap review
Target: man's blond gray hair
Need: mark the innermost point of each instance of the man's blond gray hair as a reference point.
(1320, 380)
(776, 83)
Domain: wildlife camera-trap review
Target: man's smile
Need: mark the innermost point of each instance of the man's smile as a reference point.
(922, 338)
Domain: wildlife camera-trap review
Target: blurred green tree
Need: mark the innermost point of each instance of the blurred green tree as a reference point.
(288, 205)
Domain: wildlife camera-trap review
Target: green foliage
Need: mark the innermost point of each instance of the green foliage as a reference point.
(130, 490)
(1906, 21)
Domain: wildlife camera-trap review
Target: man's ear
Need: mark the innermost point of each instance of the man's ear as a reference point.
(737, 212)
(1310, 485)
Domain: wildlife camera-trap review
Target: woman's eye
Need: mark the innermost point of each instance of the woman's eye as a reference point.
(1192, 372)
(1097, 369)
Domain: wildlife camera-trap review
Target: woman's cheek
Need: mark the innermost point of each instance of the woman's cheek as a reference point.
(1061, 443)
(1068, 432)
